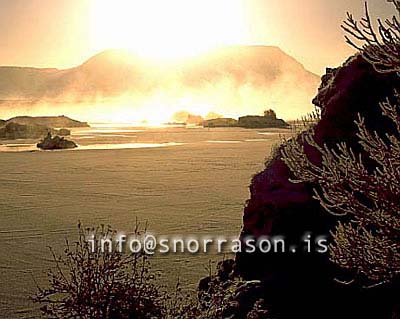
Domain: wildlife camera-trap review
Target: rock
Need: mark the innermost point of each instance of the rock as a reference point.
(14, 131)
(55, 143)
(254, 121)
(269, 120)
(221, 122)
(49, 121)
(301, 285)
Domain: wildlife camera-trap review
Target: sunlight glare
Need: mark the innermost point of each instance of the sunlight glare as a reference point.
(163, 29)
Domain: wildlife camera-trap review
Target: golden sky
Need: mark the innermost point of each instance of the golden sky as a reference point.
(64, 33)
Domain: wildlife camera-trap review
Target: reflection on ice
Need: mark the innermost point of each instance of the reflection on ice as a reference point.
(225, 142)
(269, 133)
(257, 140)
(32, 147)
(104, 131)
(113, 138)
(125, 146)
(17, 147)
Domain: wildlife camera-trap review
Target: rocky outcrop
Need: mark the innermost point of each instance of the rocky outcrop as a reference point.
(254, 121)
(27, 127)
(302, 285)
(248, 121)
(55, 143)
(49, 121)
(13, 131)
(220, 122)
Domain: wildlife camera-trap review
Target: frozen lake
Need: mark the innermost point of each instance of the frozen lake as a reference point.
(181, 181)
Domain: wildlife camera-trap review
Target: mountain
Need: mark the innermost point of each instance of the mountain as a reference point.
(233, 80)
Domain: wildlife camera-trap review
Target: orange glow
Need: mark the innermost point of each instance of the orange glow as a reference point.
(170, 29)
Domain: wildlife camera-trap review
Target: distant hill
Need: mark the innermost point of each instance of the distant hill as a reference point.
(232, 80)
(48, 121)
(12, 131)
(27, 127)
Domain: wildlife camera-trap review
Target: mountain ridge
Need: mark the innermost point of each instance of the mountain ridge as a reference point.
(232, 76)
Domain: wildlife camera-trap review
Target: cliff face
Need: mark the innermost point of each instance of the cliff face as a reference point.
(301, 285)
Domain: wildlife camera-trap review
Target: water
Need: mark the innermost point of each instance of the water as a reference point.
(181, 181)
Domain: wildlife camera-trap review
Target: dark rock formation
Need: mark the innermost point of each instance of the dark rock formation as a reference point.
(221, 122)
(254, 121)
(55, 143)
(13, 131)
(269, 120)
(301, 285)
(49, 121)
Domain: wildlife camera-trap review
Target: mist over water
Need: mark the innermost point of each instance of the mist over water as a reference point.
(117, 86)
(223, 98)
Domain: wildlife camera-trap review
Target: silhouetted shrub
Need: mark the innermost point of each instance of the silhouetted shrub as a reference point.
(92, 280)
(90, 284)
(368, 193)
(270, 114)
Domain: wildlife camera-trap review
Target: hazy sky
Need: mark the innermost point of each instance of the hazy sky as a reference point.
(64, 33)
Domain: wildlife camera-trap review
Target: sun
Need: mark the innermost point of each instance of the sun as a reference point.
(166, 29)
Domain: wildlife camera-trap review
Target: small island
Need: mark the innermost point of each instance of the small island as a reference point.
(221, 122)
(49, 121)
(28, 127)
(14, 131)
(55, 143)
(268, 120)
